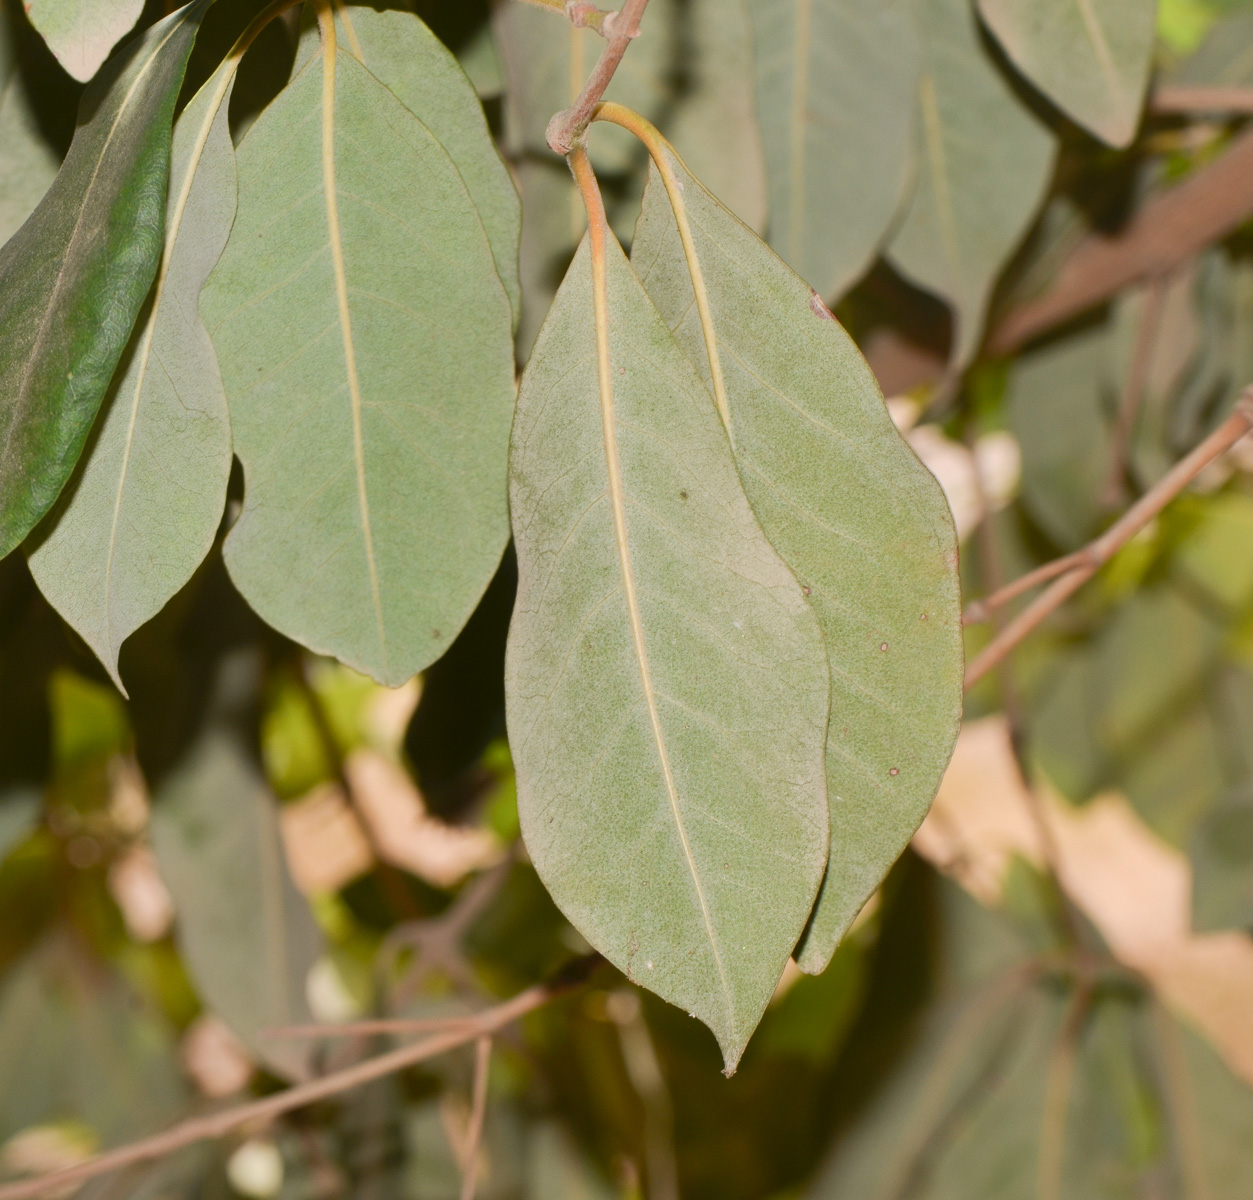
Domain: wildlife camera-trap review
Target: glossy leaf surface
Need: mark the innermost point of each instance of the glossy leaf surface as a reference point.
(73, 278)
(666, 687)
(1090, 57)
(364, 339)
(144, 507)
(837, 84)
(984, 163)
(82, 32)
(860, 521)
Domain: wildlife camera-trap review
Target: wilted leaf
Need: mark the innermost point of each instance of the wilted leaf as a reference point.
(1090, 57)
(28, 164)
(246, 935)
(82, 32)
(984, 163)
(73, 278)
(837, 84)
(145, 504)
(666, 690)
(863, 526)
(365, 344)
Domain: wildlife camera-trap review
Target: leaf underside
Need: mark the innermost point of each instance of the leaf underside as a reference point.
(862, 524)
(666, 694)
(73, 278)
(365, 343)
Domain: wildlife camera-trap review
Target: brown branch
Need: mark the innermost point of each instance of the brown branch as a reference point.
(569, 125)
(372, 1028)
(1187, 101)
(215, 1125)
(478, 1112)
(1083, 565)
(1167, 230)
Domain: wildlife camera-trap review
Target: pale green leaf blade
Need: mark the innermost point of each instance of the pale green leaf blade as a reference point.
(73, 278)
(28, 164)
(19, 811)
(82, 32)
(860, 521)
(407, 58)
(665, 680)
(984, 165)
(366, 350)
(836, 89)
(1090, 57)
(246, 934)
(145, 505)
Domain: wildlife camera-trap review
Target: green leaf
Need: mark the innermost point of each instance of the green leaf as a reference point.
(19, 811)
(28, 164)
(860, 521)
(984, 164)
(73, 278)
(836, 90)
(246, 935)
(665, 681)
(408, 59)
(147, 499)
(82, 32)
(365, 344)
(1090, 57)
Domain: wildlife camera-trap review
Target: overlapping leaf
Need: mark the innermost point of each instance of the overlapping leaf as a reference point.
(836, 89)
(82, 32)
(364, 337)
(666, 686)
(1090, 57)
(841, 496)
(145, 506)
(984, 163)
(73, 278)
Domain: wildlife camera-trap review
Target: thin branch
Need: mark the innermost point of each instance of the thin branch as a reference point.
(1058, 1088)
(216, 1125)
(1096, 554)
(569, 125)
(978, 611)
(580, 13)
(1207, 101)
(478, 1113)
(398, 1026)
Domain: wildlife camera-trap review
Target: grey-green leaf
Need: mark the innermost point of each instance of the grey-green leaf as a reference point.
(365, 343)
(28, 164)
(1090, 57)
(984, 165)
(19, 810)
(246, 935)
(666, 684)
(146, 502)
(82, 32)
(836, 90)
(73, 278)
(407, 58)
(860, 521)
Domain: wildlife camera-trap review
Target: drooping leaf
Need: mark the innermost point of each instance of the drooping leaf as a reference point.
(406, 57)
(246, 934)
(665, 681)
(73, 278)
(364, 340)
(837, 84)
(1090, 57)
(28, 164)
(82, 32)
(984, 163)
(146, 502)
(860, 521)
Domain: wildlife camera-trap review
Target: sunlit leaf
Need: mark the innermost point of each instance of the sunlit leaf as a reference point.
(82, 32)
(862, 524)
(245, 932)
(1090, 57)
(145, 505)
(666, 686)
(836, 89)
(364, 339)
(984, 162)
(73, 278)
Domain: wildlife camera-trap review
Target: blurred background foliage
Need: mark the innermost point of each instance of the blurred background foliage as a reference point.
(1051, 996)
